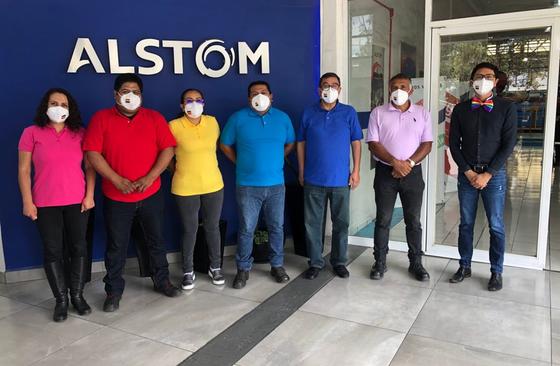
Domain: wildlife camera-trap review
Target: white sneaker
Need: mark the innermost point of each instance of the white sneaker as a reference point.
(216, 276)
(188, 281)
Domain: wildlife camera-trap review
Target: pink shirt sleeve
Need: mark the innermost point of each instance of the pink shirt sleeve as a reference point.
(26, 141)
(427, 134)
(373, 127)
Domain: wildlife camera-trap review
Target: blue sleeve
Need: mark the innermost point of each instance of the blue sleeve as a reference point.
(290, 134)
(355, 128)
(228, 136)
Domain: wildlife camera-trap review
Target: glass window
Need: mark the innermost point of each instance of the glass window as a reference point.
(386, 38)
(453, 9)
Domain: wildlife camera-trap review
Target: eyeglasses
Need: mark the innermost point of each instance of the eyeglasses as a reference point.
(126, 91)
(490, 77)
(190, 100)
(326, 86)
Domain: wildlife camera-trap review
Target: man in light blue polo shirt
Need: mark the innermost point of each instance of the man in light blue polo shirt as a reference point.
(256, 139)
(327, 132)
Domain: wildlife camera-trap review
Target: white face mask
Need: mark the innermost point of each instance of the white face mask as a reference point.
(194, 109)
(399, 97)
(482, 86)
(131, 101)
(329, 95)
(260, 102)
(57, 114)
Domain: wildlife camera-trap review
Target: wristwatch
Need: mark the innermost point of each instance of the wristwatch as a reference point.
(412, 163)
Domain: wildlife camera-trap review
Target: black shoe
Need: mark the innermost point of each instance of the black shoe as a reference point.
(57, 282)
(111, 303)
(417, 269)
(461, 274)
(311, 273)
(279, 273)
(378, 270)
(240, 279)
(341, 271)
(168, 289)
(77, 281)
(495, 283)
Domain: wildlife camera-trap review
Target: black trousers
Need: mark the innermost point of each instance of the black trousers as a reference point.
(118, 222)
(410, 189)
(54, 224)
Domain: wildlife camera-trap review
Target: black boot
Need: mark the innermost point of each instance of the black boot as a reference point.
(77, 281)
(379, 267)
(417, 269)
(57, 282)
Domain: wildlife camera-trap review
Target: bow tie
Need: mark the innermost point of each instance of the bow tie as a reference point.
(488, 104)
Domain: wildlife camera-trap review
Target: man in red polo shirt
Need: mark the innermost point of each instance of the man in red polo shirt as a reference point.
(130, 146)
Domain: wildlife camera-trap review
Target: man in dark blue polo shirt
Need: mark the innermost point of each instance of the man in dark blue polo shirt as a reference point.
(327, 131)
(482, 137)
(262, 136)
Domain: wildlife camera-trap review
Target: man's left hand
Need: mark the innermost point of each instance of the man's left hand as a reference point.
(354, 180)
(481, 180)
(143, 183)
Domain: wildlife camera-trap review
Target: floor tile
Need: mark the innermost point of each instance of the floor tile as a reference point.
(521, 285)
(138, 292)
(188, 321)
(555, 326)
(397, 264)
(29, 292)
(109, 347)
(491, 324)
(30, 335)
(310, 339)
(365, 301)
(417, 350)
(9, 306)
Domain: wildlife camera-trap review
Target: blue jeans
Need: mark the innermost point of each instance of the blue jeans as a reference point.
(250, 200)
(315, 203)
(493, 198)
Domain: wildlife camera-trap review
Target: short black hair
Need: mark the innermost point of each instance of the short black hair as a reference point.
(328, 75)
(484, 65)
(400, 76)
(258, 82)
(74, 120)
(190, 90)
(128, 78)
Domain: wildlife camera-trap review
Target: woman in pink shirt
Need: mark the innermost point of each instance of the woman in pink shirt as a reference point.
(61, 194)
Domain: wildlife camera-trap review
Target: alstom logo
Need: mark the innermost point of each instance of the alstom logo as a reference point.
(84, 54)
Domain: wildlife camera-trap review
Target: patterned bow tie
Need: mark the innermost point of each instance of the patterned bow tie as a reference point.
(488, 104)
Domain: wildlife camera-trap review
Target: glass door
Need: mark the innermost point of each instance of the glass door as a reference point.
(528, 56)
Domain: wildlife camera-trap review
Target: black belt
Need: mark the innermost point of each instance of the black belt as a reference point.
(479, 168)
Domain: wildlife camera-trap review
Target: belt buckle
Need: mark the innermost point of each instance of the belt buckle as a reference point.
(479, 168)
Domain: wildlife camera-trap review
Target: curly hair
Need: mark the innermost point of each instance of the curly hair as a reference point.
(74, 120)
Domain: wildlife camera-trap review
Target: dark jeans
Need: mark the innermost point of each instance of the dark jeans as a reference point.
(493, 198)
(189, 206)
(250, 200)
(57, 221)
(315, 200)
(410, 189)
(118, 222)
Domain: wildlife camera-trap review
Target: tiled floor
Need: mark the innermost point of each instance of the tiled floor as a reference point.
(355, 321)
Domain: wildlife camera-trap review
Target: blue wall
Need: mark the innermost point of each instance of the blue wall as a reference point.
(38, 38)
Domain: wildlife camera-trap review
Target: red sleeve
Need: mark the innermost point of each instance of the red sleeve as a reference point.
(165, 138)
(93, 140)
(26, 141)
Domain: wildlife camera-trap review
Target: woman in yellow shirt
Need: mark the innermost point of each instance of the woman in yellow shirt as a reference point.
(197, 183)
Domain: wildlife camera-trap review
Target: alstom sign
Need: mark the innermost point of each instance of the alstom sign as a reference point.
(84, 54)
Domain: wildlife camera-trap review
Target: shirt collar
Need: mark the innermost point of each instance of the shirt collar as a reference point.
(252, 113)
(410, 109)
(118, 113)
(319, 107)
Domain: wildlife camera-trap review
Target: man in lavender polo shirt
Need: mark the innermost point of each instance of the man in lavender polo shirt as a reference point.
(399, 137)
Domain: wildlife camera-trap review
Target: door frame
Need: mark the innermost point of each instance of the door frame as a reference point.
(491, 23)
